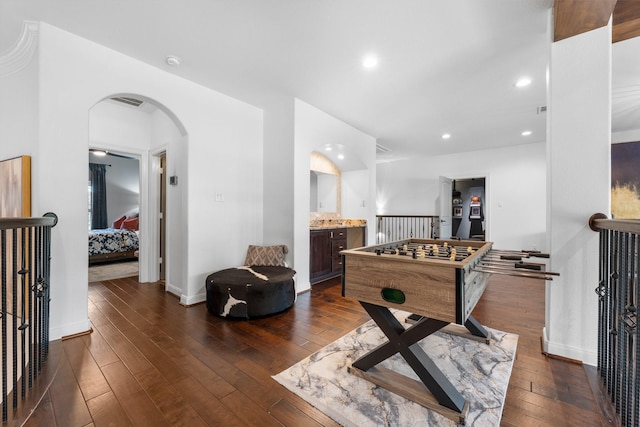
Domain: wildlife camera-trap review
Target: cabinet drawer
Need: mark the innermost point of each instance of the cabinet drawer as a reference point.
(336, 264)
(339, 234)
(337, 246)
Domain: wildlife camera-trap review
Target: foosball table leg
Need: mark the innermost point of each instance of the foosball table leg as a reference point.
(405, 342)
(476, 328)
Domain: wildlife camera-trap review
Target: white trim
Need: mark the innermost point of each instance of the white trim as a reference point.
(559, 349)
(20, 55)
(69, 329)
(194, 299)
(173, 289)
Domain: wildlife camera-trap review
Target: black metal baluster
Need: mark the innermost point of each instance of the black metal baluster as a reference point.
(36, 307)
(606, 366)
(3, 236)
(47, 278)
(636, 392)
(14, 315)
(612, 318)
(30, 284)
(23, 314)
(623, 342)
(600, 291)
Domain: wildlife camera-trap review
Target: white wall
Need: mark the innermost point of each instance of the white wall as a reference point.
(19, 100)
(515, 205)
(277, 224)
(313, 129)
(224, 155)
(579, 153)
(355, 188)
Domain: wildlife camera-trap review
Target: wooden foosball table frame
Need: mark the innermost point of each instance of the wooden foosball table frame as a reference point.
(440, 290)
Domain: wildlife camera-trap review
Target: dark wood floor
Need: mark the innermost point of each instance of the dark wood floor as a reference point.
(150, 361)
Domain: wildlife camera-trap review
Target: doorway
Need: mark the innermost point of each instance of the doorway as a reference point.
(114, 192)
(469, 209)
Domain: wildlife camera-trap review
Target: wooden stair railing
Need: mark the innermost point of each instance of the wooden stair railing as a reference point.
(619, 298)
(25, 254)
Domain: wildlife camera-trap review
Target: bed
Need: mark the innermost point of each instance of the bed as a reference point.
(111, 244)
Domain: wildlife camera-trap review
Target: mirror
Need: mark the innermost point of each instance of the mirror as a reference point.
(324, 180)
(323, 192)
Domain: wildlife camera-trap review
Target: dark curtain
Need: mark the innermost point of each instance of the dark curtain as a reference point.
(97, 179)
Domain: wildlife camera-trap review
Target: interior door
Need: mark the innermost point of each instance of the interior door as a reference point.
(446, 188)
(162, 213)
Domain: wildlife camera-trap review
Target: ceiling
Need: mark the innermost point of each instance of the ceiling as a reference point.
(443, 66)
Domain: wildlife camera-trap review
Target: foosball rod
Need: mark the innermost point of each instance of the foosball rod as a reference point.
(524, 254)
(513, 273)
(518, 268)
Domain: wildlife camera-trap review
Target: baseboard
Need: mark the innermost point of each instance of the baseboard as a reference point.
(566, 352)
(69, 330)
(196, 299)
(172, 289)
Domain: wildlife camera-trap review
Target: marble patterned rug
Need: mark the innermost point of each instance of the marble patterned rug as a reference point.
(480, 372)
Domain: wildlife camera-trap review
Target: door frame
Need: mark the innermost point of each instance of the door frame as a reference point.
(486, 206)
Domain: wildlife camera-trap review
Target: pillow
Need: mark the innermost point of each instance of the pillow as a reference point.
(117, 224)
(130, 224)
(266, 255)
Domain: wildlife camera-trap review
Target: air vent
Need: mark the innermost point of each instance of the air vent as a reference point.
(382, 149)
(128, 101)
(542, 109)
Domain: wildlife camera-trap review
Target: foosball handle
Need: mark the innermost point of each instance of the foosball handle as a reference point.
(538, 255)
(536, 267)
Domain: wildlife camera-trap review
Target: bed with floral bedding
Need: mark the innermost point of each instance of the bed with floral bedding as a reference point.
(112, 244)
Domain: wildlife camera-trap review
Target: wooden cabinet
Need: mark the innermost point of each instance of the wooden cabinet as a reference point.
(320, 250)
(325, 245)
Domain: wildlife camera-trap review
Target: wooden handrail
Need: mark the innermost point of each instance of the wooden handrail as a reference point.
(600, 221)
(49, 219)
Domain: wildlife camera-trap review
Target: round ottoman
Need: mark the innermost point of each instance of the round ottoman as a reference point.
(247, 292)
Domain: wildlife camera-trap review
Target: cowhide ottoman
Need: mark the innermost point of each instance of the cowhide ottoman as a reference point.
(246, 292)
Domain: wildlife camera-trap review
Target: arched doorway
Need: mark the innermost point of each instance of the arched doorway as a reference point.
(132, 125)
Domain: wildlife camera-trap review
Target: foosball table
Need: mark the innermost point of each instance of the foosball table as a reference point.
(440, 283)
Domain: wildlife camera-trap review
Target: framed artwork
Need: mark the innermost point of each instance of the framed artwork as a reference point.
(625, 180)
(15, 201)
(15, 187)
(457, 211)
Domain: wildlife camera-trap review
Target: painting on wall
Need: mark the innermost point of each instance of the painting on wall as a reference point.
(625, 180)
(15, 187)
(15, 201)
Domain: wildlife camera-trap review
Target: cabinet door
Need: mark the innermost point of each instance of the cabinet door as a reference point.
(320, 253)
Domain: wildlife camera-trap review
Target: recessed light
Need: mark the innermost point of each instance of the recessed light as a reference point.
(341, 156)
(174, 61)
(328, 148)
(526, 133)
(522, 82)
(370, 61)
(446, 135)
(99, 153)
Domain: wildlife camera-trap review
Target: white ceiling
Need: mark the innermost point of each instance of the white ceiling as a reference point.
(444, 66)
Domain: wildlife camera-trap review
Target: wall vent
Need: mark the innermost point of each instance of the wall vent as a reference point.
(128, 101)
(542, 109)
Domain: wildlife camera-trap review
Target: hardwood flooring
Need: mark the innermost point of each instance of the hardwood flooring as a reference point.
(150, 361)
